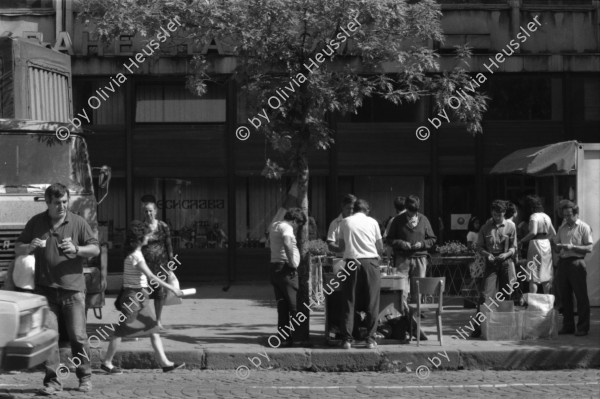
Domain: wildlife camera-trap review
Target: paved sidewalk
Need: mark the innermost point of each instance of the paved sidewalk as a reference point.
(221, 330)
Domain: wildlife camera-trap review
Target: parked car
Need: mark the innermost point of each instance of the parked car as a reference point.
(24, 342)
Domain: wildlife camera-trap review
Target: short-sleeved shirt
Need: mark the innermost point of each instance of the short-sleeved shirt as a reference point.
(54, 268)
(498, 239)
(360, 234)
(578, 234)
(133, 277)
(334, 229)
(543, 224)
(278, 231)
(472, 236)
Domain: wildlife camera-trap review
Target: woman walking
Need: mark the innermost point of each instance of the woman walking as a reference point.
(157, 253)
(133, 302)
(539, 253)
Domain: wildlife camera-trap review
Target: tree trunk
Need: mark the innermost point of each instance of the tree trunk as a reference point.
(303, 298)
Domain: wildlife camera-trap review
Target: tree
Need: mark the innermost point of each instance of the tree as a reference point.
(303, 60)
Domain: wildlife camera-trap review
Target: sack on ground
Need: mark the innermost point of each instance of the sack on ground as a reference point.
(400, 327)
(171, 298)
(24, 272)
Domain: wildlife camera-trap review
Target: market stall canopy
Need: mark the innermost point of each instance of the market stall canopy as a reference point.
(552, 159)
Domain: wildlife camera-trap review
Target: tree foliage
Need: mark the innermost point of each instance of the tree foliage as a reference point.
(390, 55)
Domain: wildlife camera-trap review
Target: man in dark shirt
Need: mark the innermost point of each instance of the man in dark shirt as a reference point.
(497, 243)
(60, 240)
(411, 235)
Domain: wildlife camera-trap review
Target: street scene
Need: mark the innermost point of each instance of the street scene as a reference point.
(314, 198)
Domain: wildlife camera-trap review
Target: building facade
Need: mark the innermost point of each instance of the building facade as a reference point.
(160, 139)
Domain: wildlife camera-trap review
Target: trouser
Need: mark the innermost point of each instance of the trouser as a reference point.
(571, 278)
(411, 268)
(67, 308)
(285, 283)
(496, 277)
(364, 282)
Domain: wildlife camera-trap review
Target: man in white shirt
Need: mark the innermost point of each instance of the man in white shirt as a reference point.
(361, 243)
(333, 234)
(285, 259)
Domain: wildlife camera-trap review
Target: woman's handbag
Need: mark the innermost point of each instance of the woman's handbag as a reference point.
(171, 298)
(24, 272)
(118, 300)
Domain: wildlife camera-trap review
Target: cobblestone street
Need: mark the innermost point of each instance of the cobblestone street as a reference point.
(281, 384)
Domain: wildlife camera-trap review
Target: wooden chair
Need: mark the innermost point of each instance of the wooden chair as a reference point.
(428, 286)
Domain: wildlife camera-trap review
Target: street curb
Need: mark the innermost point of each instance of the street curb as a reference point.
(358, 359)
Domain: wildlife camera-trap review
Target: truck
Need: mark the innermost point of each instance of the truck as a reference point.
(35, 104)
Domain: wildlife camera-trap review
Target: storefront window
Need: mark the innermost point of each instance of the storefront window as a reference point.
(258, 201)
(261, 201)
(194, 209)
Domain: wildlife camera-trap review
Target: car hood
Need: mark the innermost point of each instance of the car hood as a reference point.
(23, 300)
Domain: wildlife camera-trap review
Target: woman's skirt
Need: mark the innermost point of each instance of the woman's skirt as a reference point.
(137, 318)
(539, 260)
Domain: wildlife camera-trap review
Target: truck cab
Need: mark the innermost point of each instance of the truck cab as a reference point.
(31, 158)
(36, 101)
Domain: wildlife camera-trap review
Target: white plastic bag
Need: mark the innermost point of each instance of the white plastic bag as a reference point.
(24, 272)
(171, 299)
(539, 302)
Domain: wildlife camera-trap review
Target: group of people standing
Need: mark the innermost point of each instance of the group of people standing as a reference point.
(357, 238)
(61, 241)
(531, 244)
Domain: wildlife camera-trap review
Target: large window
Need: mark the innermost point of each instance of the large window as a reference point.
(585, 95)
(195, 209)
(260, 201)
(175, 103)
(524, 98)
(379, 110)
(380, 192)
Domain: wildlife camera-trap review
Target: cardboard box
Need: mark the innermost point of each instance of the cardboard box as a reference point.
(502, 326)
(521, 325)
(394, 283)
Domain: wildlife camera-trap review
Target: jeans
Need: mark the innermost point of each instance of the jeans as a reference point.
(285, 283)
(496, 278)
(571, 279)
(67, 308)
(364, 283)
(411, 268)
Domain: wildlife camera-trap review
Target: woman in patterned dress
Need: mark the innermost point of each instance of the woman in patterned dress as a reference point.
(158, 252)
